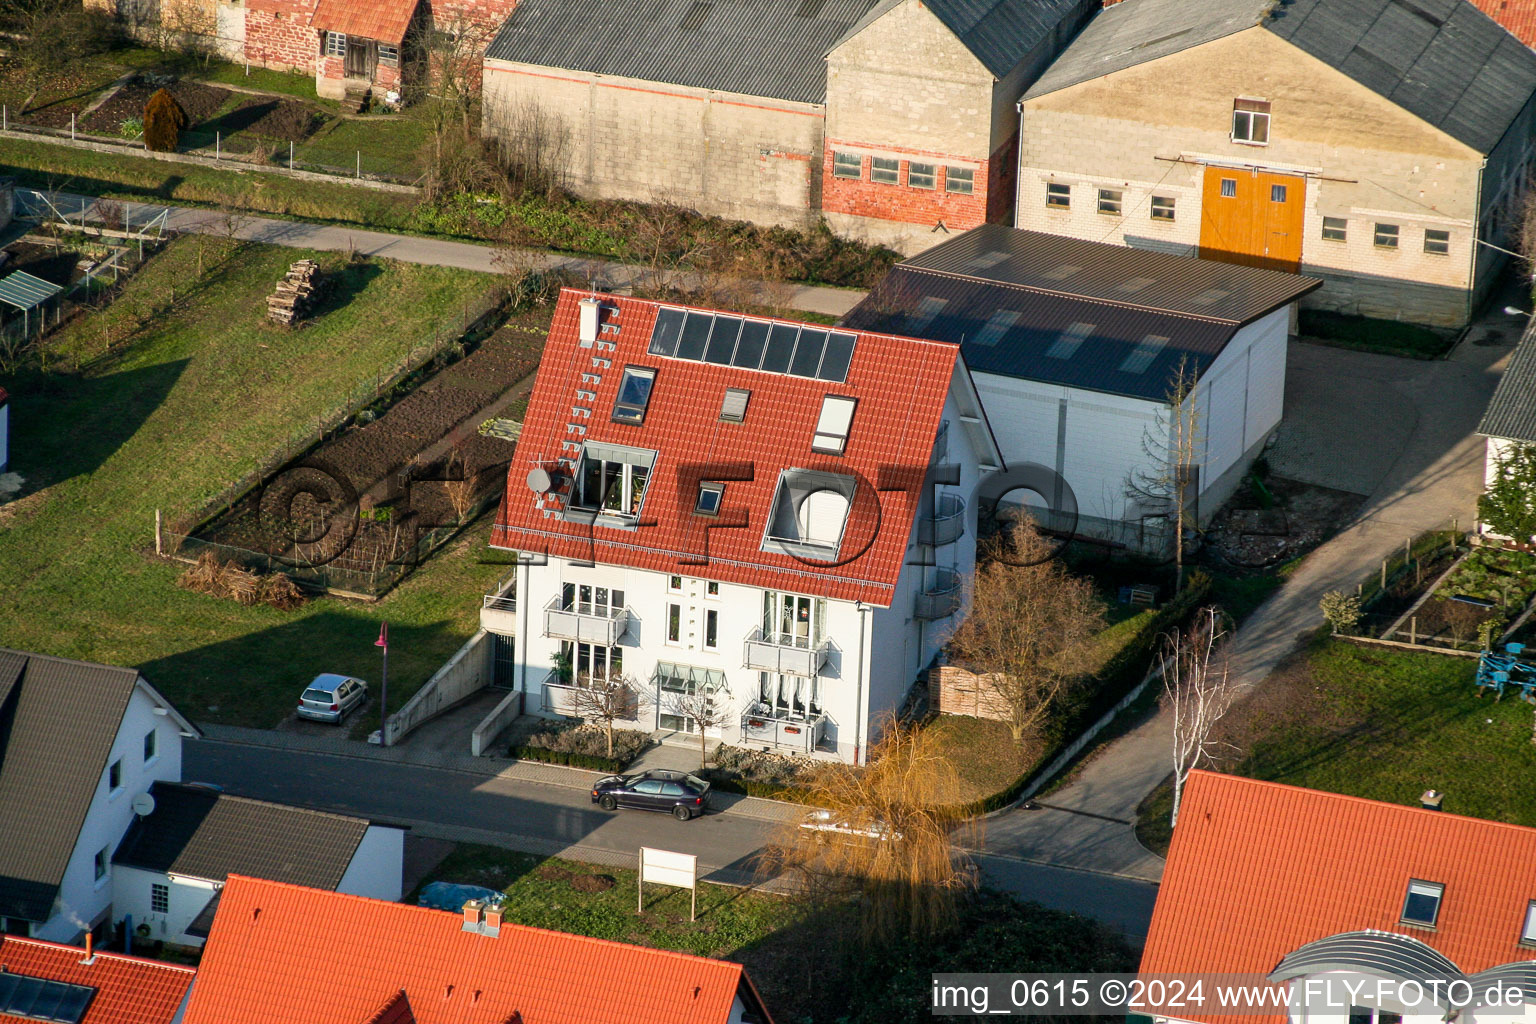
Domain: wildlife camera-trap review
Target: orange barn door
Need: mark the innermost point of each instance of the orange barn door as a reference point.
(1252, 217)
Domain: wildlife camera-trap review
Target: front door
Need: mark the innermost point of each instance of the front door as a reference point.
(359, 58)
(1252, 217)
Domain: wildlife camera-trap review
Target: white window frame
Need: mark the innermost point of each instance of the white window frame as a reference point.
(884, 175)
(159, 893)
(927, 177)
(834, 424)
(1224, 183)
(1339, 224)
(1058, 195)
(1111, 202)
(336, 44)
(1442, 244)
(101, 865)
(1419, 887)
(1528, 925)
(711, 623)
(712, 589)
(960, 181)
(667, 633)
(1168, 210)
(674, 584)
(847, 165)
(1386, 239)
(1250, 124)
(389, 55)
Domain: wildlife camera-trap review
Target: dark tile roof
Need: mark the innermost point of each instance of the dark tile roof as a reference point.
(1511, 412)
(753, 47)
(1197, 305)
(999, 33)
(203, 834)
(58, 719)
(1444, 61)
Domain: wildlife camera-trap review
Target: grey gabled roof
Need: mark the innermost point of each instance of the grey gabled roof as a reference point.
(209, 835)
(1441, 60)
(58, 719)
(1518, 974)
(754, 47)
(1511, 412)
(1000, 33)
(1050, 285)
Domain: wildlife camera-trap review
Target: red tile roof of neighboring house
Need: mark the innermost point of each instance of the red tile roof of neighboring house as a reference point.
(1257, 869)
(129, 989)
(381, 20)
(285, 954)
(1517, 16)
(900, 384)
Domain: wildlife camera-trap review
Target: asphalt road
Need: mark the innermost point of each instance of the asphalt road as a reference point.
(553, 820)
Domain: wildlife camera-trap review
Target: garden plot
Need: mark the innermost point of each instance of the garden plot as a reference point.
(1490, 585)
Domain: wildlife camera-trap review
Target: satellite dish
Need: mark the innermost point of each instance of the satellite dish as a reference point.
(143, 805)
(539, 480)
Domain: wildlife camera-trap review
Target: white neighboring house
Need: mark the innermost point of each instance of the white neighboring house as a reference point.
(708, 503)
(173, 863)
(78, 742)
(1074, 347)
(1510, 419)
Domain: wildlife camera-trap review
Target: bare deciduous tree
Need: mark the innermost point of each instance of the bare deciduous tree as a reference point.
(1029, 624)
(1175, 444)
(708, 709)
(1197, 691)
(530, 143)
(603, 702)
(897, 836)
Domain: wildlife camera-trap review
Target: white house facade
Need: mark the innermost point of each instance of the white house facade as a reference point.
(779, 549)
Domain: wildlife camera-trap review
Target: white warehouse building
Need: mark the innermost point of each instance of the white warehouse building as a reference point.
(1075, 346)
(741, 508)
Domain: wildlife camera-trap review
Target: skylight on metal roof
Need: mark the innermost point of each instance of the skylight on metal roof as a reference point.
(796, 349)
(1132, 285)
(1146, 350)
(733, 408)
(1209, 296)
(989, 259)
(694, 19)
(43, 999)
(634, 395)
(997, 325)
(1061, 272)
(929, 308)
(1067, 342)
(833, 424)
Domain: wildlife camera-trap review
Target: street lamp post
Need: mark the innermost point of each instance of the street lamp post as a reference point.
(383, 642)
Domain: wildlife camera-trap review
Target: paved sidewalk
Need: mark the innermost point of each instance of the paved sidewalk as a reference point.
(604, 275)
(1424, 470)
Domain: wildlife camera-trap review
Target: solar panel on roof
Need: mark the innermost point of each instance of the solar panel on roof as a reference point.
(834, 364)
(1141, 356)
(781, 346)
(808, 352)
(722, 340)
(669, 324)
(749, 347)
(695, 335)
(43, 999)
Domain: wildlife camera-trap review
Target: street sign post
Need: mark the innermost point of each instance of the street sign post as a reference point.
(667, 868)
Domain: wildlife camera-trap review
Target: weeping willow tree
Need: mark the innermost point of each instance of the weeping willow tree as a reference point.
(895, 835)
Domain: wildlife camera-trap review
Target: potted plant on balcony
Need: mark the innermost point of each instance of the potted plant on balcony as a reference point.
(563, 668)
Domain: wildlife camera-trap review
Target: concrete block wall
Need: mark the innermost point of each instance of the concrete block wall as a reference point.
(1364, 159)
(725, 154)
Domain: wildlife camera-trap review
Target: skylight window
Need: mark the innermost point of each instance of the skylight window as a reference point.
(733, 409)
(989, 259)
(634, 395)
(42, 998)
(1422, 904)
(1209, 296)
(1061, 272)
(1528, 926)
(927, 310)
(1067, 343)
(711, 495)
(832, 426)
(1135, 284)
(997, 325)
(1146, 350)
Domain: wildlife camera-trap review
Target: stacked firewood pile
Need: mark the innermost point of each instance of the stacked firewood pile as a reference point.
(296, 293)
(227, 579)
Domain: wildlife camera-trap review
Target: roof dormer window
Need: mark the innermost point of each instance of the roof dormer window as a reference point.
(610, 483)
(1528, 926)
(1422, 904)
(634, 395)
(809, 513)
(833, 424)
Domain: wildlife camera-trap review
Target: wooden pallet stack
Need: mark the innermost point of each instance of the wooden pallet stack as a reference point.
(296, 293)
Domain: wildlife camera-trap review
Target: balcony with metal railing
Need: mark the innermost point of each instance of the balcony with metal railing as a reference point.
(940, 596)
(498, 610)
(781, 652)
(762, 726)
(587, 623)
(947, 523)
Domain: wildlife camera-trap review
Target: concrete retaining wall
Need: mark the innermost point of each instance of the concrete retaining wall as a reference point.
(503, 715)
(464, 674)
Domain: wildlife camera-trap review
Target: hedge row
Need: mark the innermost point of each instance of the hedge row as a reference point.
(723, 782)
(591, 762)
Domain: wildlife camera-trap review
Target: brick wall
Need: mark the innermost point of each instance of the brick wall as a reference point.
(278, 34)
(904, 202)
(953, 690)
(475, 22)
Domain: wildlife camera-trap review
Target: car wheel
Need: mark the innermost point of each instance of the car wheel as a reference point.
(607, 802)
(681, 813)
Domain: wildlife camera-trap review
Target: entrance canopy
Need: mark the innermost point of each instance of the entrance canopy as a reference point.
(384, 21)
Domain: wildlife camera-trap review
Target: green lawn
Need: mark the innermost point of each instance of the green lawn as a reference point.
(195, 397)
(984, 753)
(1386, 725)
(1389, 337)
(300, 86)
(801, 956)
(388, 143)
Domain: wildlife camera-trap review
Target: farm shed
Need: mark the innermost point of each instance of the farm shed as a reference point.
(1075, 345)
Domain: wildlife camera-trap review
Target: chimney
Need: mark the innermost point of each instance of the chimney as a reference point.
(1431, 799)
(493, 915)
(90, 956)
(472, 914)
(590, 308)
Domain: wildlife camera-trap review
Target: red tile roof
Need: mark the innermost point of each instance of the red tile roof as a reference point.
(1257, 869)
(900, 383)
(1517, 16)
(129, 989)
(285, 954)
(381, 20)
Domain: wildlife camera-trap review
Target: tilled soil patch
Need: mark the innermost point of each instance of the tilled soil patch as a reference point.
(64, 93)
(199, 101)
(269, 117)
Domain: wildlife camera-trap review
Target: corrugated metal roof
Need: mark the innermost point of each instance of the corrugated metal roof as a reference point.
(753, 47)
(1115, 273)
(25, 291)
(1442, 60)
(1378, 953)
(213, 835)
(1000, 33)
(1038, 342)
(1511, 412)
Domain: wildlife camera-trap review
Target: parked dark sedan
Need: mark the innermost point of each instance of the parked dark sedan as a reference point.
(679, 793)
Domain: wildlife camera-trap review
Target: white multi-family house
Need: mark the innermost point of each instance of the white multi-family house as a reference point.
(1355, 911)
(740, 507)
(80, 744)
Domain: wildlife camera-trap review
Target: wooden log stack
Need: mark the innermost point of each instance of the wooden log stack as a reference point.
(296, 293)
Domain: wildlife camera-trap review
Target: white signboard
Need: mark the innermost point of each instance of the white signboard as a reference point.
(669, 868)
